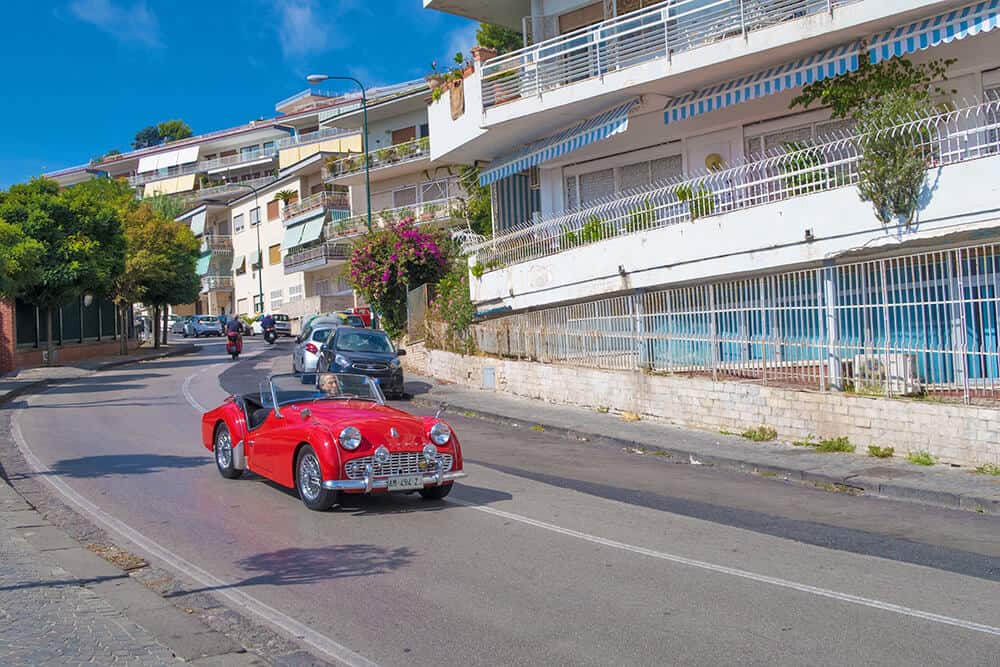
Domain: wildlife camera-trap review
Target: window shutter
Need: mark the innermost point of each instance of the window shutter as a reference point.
(597, 185)
(273, 209)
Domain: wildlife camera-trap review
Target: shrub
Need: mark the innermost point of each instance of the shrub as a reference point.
(841, 444)
(880, 452)
(921, 458)
(699, 200)
(760, 434)
(641, 217)
(989, 469)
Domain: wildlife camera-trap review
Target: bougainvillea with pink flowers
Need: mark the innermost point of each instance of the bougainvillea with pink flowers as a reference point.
(386, 262)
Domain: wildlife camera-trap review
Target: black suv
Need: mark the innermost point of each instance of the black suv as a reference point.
(365, 352)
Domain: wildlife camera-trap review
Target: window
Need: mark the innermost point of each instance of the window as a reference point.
(238, 222)
(572, 201)
(425, 130)
(254, 216)
(295, 293)
(274, 254)
(597, 185)
(241, 306)
(586, 189)
(534, 179)
(257, 305)
(273, 209)
(249, 152)
(775, 141)
(404, 197)
(276, 299)
(404, 135)
(434, 191)
(268, 147)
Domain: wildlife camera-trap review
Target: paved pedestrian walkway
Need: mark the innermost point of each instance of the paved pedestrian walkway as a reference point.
(857, 473)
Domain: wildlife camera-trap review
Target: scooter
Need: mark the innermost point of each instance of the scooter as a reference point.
(270, 335)
(234, 344)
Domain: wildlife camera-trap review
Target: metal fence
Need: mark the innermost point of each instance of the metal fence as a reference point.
(946, 138)
(632, 39)
(918, 324)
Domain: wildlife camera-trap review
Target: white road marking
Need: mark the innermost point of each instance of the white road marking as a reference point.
(320, 642)
(743, 574)
(186, 390)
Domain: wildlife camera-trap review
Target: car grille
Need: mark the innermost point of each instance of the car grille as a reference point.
(370, 367)
(401, 463)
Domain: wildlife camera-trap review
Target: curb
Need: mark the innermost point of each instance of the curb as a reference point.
(853, 484)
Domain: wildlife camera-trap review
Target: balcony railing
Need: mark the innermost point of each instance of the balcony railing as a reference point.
(217, 243)
(382, 157)
(235, 160)
(159, 175)
(942, 139)
(326, 252)
(234, 188)
(320, 200)
(424, 213)
(633, 39)
(319, 135)
(216, 282)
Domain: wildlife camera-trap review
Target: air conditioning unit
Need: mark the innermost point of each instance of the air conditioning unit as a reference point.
(879, 373)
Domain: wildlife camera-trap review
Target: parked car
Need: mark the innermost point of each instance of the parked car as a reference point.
(282, 324)
(365, 351)
(203, 325)
(177, 326)
(308, 344)
(334, 437)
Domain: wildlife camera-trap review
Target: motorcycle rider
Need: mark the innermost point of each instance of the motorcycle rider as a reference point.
(234, 332)
(267, 324)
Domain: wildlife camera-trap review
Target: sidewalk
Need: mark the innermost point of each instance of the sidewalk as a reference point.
(895, 478)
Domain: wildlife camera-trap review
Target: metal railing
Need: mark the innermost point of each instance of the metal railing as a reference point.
(318, 135)
(326, 252)
(383, 157)
(234, 160)
(320, 200)
(216, 282)
(922, 324)
(422, 213)
(942, 139)
(234, 188)
(161, 174)
(632, 39)
(218, 243)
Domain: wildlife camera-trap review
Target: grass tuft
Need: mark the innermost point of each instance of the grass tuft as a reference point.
(921, 458)
(603, 409)
(841, 444)
(989, 469)
(630, 417)
(760, 434)
(880, 452)
(538, 428)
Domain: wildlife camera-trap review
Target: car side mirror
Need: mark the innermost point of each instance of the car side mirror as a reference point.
(400, 353)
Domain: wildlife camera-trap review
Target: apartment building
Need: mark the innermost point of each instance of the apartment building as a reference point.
(658, 205)
(404, 182)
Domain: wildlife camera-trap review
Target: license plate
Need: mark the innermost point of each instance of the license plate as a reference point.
(406, 483)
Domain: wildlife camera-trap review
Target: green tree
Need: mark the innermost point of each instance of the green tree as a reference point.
(476, 206)
(20, 260)
(500, 39)
(79, 242)
(146, 137)
(173, 130)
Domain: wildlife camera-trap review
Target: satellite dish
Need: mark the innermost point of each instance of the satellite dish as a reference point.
(713, 162)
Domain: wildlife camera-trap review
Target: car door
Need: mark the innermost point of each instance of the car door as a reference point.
(273, 444)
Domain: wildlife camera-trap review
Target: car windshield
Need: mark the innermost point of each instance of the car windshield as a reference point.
(208, 320)
(289, 388)
(364, 341)
(355, 321)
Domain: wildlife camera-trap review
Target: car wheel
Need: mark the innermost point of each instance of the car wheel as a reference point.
(436, 492)
(309, 482)
(224, 453)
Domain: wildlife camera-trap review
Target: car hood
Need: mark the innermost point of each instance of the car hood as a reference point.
(364, 357)
(374, 421)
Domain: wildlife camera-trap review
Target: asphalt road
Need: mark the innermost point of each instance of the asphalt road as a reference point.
(552, 552)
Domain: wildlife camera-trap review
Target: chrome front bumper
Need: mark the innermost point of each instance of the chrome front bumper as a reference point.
(368, 483)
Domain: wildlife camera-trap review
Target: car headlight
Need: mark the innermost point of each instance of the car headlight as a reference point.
(341, 360)
(350, 438)
(440, 433)
(430, 453)
(395, 363)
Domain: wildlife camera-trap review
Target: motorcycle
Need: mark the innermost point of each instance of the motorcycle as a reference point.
(270, 335)
(234, 344)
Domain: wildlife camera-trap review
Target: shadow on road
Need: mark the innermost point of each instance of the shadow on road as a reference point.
(75, 583)
(124, 464)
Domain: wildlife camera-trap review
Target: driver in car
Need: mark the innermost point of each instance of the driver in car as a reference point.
(328, 385)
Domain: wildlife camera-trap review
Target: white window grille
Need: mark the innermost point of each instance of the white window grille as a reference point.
(295, 293)
(238, 222)
(404, 197)
(597, 185)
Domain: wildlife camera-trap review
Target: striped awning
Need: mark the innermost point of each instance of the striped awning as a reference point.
(819, 66)
(201, 267)
(602, 126)
(941, 29)
(305, 231)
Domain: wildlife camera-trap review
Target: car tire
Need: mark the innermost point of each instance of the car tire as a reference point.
(436, 492)
(308, 480)
(223, 449)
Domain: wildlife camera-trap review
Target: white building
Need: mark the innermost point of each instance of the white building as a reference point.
(658, 205)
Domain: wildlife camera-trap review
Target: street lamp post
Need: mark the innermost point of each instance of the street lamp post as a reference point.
(260, 254)
(319, 78)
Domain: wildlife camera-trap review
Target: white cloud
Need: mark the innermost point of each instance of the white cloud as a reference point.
(301, 28)
(131, 24)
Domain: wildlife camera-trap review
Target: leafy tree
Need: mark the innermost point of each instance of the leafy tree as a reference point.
(172, 130)
(452, 309)
(20, 259)
(77, 238)
(476, 207)
(168, 206)
(146, 137)
(502, 40)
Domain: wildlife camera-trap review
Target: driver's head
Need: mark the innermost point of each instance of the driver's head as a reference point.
(328, 384)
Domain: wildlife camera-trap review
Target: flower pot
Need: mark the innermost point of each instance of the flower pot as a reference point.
(435, 80)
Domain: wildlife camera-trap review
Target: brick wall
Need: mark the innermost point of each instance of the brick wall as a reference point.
(958, 434)
(6, 336)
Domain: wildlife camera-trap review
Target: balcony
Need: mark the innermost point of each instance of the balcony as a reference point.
(231, 161)
(321, 201)
(341, 170)
(217, 243)
(794, 208)
(439, 211)
(227, 190)
(639, 37)
(159, 175)
(317, 257)
(216, 283)
(312, 137)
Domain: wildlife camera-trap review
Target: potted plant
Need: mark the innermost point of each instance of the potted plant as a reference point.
(464, 66)
(430, 212)
(435, 78)
(286, 196)
(424, 144)
(407, 149)
(384, 154)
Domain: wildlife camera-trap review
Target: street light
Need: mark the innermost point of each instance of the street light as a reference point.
(313, 79)
(260, 254)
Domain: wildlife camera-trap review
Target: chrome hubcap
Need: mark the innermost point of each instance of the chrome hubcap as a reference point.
(309, 478)
(223, 448)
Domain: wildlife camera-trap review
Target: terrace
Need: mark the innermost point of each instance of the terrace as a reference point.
(321, 201)
(382, 158)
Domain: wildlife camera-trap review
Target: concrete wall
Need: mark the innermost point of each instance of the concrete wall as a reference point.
(290, 156)
(956, 434)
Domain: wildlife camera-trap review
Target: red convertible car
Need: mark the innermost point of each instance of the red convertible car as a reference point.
(332, 436)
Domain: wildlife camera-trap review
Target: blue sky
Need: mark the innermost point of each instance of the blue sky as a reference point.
(80, 77)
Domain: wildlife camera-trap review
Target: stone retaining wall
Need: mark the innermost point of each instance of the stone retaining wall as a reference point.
(957, 434)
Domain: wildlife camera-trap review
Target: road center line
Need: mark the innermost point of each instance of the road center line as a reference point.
(734, 572)
(320, 642)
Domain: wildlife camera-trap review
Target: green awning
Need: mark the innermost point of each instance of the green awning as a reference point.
(198, 223)
(201, 268)
(292, 237)
(238, 262)
(305, 231)
(312, 230)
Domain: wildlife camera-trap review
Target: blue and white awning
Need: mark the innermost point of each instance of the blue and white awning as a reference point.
(819, 66)
(941, 29)
(607, 124)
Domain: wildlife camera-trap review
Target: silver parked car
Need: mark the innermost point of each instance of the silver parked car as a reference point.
(202, 325)
(309, 344)
(177, 326)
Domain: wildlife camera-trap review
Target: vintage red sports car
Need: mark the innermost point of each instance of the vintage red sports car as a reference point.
(329, 436)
